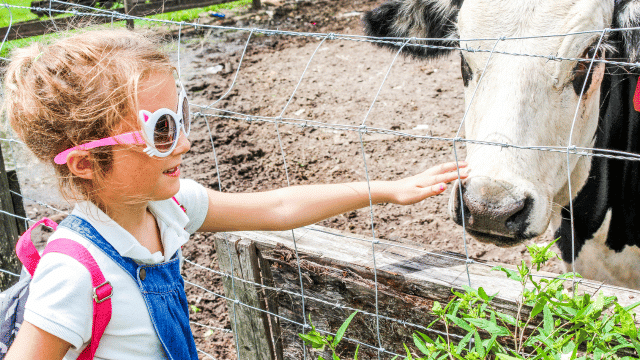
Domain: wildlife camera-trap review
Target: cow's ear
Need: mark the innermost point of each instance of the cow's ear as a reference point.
(416, 18)
(627, 15)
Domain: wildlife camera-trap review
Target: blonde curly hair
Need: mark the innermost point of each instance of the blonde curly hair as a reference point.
(75, 90)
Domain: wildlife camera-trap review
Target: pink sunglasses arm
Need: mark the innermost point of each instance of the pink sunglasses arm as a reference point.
(134, 137)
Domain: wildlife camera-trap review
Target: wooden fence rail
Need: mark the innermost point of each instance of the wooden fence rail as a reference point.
(133, 7)
(338, 275)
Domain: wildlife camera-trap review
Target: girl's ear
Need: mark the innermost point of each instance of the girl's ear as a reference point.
(79, 164)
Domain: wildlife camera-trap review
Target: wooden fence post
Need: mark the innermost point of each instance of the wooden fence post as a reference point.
(256, 339)
(128, 9)
(16, 199)
(9, 232)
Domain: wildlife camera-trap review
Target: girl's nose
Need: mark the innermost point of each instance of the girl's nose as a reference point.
(183, 144)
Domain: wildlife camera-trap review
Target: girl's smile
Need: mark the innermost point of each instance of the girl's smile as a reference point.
(173, 172)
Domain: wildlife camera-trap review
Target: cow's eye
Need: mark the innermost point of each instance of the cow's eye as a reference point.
(467, 74)
(580, 76)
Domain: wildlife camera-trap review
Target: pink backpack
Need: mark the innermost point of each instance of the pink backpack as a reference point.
(102, 290)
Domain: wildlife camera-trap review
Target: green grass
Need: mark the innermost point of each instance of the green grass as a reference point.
(190, 14)
(12, 16)
(20, 15)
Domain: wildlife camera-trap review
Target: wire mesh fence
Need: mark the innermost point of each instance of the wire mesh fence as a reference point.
(363, 126)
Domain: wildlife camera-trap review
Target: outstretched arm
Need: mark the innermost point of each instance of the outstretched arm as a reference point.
(296, 206)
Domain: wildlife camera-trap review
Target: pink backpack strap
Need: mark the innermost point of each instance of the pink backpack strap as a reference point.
(26, 251)
(102, 290)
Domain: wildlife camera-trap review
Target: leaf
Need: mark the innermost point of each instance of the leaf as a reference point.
(355, 356)
(636, 344)
(598, 305)
(632, 306)
(464, 342)
(420, 345)
(507, 318)
(548, 320)
(425, 337)
(194, 308)
(597, 354)
(317, 342)
(489, 326)
(342, 329)
(541, 302)
(483, 295)
(513, 275)
(436, 308)
(409, 357)
(627, 326)
(460, 322)
(478, 341)
(505, 357)
(568, 347)
(489, 343)
(335, 357)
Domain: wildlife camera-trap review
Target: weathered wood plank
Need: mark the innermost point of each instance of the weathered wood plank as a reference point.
(338, 276)
(16, 199)
(239, 257)
(271, 300)
(8, 232)
(41, 27)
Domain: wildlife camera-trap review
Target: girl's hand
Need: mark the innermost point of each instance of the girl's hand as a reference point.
(428, 183)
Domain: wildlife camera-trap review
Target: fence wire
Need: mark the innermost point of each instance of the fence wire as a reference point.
(212, 111)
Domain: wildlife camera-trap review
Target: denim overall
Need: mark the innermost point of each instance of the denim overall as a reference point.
(162, 288)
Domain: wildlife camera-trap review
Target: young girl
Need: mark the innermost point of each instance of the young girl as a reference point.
(103, 109)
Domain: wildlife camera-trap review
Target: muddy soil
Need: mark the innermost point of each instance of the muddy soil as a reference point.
(338, 87)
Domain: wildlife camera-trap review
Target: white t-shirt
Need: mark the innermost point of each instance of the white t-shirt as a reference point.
(60, 300)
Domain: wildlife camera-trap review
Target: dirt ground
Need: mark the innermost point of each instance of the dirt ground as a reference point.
(338, 87)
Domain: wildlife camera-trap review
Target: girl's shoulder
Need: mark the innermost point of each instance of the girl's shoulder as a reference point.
(63, 266)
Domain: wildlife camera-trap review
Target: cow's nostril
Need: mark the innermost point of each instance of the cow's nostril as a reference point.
(518, 221)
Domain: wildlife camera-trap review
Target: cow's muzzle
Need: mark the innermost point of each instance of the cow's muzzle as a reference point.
(493, 210)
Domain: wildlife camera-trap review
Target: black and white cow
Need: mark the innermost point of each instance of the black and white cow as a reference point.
(513, 194)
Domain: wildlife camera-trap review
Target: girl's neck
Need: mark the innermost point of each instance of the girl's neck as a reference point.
(139, 222)
(129, 216)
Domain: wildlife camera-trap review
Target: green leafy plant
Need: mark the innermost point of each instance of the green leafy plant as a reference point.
(551, 323)
(319, 341)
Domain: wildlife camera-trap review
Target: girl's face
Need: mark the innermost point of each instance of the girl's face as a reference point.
(135, 175)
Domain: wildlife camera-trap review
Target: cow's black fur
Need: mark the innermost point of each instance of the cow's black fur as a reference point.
(381, 22)
(612, 184)
(627, 15)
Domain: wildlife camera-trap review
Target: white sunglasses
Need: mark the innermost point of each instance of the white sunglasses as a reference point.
(160, 132)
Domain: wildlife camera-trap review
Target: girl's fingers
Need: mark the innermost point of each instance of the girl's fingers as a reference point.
(450, 176)
(446, 167)
(437, 189)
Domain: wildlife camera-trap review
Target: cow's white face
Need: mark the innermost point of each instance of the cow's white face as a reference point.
(512, 194)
